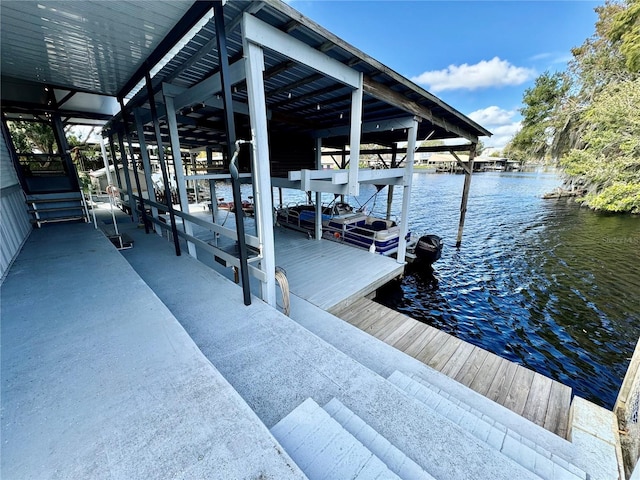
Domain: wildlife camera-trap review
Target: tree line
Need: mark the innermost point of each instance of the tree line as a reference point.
(587, 119)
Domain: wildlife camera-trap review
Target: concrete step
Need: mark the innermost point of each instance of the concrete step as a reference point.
(323, 449)
(533, 457)
(385, 359)
(395, 459)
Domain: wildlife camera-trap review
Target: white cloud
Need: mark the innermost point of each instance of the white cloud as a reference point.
(500, 122)
(484, 74)
(492, 116)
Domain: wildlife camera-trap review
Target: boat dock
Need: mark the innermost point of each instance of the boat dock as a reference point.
(529, 394)
(340, 279)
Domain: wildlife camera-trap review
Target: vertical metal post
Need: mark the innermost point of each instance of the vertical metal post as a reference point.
(134, 165)
(212, 187)
(146, 164)
(179, 169)
(465, 194)
(127, 177)
(163, 165)
(390, 188)
(354, 138)
(112, 148)
(63, 146)
(227, 101)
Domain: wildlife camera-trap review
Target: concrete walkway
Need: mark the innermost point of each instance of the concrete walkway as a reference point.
(99, 380)
(275, 365)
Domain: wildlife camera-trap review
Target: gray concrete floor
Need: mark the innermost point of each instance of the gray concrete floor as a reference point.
(99, 379)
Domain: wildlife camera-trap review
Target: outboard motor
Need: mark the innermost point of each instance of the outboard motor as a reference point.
(429, 249)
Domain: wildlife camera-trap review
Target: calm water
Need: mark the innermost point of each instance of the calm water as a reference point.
(544, 283)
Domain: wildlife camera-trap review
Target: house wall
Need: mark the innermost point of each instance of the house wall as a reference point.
(14, 218)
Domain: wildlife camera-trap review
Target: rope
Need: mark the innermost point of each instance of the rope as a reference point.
(281, 278)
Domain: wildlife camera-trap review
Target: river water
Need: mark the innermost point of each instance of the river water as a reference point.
(544, 283)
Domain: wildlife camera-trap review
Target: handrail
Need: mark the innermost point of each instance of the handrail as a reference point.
(213, 228)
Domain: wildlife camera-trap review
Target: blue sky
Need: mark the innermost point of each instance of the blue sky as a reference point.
(478, 56)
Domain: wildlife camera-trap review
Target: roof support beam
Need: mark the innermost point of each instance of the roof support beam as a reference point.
(226, 81)
(208, 87)
(384, 93)
(368, 127)
(260, 33)
(412, 135)
(254, 58)
(186, 23)
(146, 163)
(354, 138)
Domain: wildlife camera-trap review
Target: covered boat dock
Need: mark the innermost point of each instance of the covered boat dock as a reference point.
(159, 367)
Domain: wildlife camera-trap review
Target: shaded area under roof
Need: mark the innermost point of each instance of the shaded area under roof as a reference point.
(101, 48)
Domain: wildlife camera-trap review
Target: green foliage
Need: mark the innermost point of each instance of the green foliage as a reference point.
(540, 121)
(32, 137)
(588, 116)
(625, 28)
(618, 198)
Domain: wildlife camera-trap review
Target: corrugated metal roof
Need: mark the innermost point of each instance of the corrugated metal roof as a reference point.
(94, 46)
(98, 46)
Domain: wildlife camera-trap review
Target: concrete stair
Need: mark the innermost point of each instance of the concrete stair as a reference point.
(323, 449)
(532, 456)
(395, 460)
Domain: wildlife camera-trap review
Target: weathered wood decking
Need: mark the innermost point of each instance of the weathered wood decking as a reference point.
(534, 396)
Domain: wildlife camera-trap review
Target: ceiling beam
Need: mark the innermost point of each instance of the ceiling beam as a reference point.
(186, 23)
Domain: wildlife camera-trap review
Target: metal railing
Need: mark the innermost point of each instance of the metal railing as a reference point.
(229, 259)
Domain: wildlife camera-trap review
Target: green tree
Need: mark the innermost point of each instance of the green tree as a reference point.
(588, 116)
(31, 136)
(539, 118)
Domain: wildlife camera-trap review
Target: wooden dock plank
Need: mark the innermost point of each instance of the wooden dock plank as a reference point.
(486, 374)
(458, 360)
(535, 408)
(471, 368)
(559, 402)
(501, 383)
(519, 390)
(395, 335)
(441, 351)
(392, 322)
(422, 341)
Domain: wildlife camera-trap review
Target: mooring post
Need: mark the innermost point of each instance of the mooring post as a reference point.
(465, 193)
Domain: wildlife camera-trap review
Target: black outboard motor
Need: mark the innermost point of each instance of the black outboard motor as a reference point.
(429, 249)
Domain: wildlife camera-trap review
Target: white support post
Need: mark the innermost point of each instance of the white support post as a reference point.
(354, 139)
(412, 134)
(146, 163)
(103, 149)
(319, 194)
(179, 169)
(254, 67)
